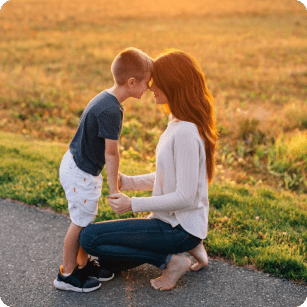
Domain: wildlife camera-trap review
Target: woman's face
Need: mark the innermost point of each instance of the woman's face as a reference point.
(159, 95)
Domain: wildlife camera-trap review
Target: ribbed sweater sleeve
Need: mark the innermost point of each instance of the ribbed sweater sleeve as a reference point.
(138, 183)
(185, 156)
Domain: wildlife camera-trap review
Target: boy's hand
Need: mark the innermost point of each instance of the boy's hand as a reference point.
(120, 203)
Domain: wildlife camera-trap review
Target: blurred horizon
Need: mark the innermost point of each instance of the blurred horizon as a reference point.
(102, 10)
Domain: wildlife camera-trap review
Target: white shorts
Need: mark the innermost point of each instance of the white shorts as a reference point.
(82, 191)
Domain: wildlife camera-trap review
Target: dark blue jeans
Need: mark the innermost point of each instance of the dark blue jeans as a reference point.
(123, 244)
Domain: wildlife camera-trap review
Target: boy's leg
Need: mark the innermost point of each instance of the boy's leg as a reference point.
(71, 248)
(82, 191)
(82, 257)
(70, 276)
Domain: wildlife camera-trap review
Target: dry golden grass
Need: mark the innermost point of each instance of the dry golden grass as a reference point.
(46, 13)
(56, 56)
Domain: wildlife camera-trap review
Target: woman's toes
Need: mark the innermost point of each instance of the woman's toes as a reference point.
(156, 283)
(154, 286)
(161, 283)
(153, 282)
(196, 267)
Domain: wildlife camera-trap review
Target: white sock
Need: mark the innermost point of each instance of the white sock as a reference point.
(66, 274)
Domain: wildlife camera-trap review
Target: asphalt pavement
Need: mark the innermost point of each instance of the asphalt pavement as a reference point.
(31, 244)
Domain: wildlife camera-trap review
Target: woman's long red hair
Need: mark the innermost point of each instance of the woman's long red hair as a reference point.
(181, 79)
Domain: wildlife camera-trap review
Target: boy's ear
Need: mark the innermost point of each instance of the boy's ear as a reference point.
(131, 82)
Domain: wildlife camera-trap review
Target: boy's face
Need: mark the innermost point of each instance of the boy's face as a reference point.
(140, 88)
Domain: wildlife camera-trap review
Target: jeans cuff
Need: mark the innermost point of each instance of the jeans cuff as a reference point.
(166, 261)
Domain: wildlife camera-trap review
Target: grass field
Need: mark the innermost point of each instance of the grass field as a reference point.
(56, 56)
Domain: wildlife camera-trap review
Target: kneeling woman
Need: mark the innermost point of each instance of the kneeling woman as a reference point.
(179, 203)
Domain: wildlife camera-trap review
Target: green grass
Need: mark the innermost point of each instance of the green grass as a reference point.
(248, 225)
(260, 227)
(30, 173)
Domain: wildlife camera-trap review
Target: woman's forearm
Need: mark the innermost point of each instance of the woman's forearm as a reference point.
(168, 202)
(138, 183)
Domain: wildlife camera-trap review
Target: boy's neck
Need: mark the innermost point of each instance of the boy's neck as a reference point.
(119, 92)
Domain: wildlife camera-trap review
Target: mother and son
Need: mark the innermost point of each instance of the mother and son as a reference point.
(184, 168)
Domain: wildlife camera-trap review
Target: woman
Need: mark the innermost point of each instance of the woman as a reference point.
(179, 202)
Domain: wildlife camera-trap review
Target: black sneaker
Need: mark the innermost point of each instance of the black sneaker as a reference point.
(105, 275)
(92, 269)
(76, 281)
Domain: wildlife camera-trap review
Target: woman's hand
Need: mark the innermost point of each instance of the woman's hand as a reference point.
(120, 203)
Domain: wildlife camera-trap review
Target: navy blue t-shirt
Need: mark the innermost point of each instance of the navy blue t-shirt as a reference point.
(102, 119)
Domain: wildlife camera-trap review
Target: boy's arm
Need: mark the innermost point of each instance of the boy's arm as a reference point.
(112, 164)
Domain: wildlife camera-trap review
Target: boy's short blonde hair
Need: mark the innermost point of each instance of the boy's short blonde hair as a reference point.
(131, 63)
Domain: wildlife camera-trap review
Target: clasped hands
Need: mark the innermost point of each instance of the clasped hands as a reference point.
(119, 202)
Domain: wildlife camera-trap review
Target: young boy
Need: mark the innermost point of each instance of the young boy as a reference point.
(94, 145)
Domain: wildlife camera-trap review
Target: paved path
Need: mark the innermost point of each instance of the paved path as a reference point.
(31, 242)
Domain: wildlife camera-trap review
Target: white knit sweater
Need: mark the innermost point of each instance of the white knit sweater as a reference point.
(179, 186)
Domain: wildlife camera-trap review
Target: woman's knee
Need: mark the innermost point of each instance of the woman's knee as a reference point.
(85, 238)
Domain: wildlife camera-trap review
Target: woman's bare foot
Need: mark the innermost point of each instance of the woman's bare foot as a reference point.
(176, 267)
(200, 254)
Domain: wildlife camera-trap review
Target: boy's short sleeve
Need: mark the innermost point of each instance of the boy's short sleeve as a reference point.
(109, 124)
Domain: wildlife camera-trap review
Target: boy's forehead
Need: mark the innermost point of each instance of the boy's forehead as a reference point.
(149, 76)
